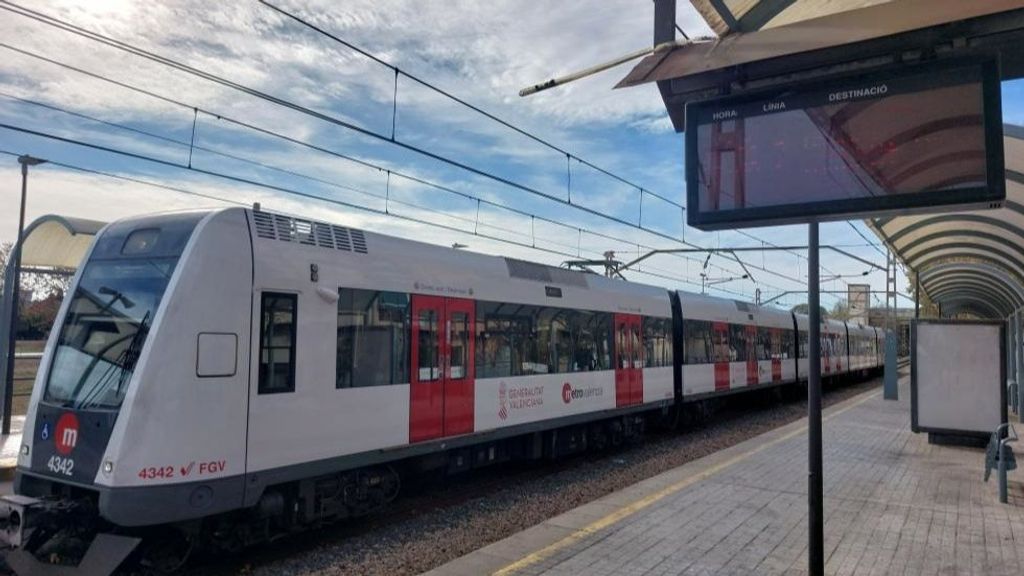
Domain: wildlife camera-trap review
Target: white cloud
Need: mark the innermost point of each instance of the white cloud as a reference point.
(483, 52)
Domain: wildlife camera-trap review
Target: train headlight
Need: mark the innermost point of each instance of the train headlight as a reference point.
(24, 449)
(108, 467)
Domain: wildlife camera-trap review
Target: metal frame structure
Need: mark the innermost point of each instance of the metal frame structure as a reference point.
(707, 170)
(914, 425)
(829, 40)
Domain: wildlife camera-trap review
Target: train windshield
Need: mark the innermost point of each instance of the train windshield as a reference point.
(104, 330)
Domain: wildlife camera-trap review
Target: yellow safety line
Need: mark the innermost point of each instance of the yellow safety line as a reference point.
(646, 501)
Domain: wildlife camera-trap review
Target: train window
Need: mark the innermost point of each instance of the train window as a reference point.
(459, 346)
(721, 351)
(372, 338)
(429, 365)
(657, 342)
(787, 344)
(277, 342)
(591, 333)
(636, 347)
(585, 344)
(738, 343)
(554, 347)
(517, 340)
(696, 342)
(764, 344)
(502, 338)
(621, 347)
(107, 324)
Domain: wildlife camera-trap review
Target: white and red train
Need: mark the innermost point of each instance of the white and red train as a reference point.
(238, 373)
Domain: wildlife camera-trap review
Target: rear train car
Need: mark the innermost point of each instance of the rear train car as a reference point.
(731, 346)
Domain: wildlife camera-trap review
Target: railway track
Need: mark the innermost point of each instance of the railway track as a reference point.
(436, 522)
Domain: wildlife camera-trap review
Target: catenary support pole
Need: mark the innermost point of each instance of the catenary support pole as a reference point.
(815, 495)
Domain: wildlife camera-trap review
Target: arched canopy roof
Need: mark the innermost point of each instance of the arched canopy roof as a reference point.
(54, 241)
(969, 261)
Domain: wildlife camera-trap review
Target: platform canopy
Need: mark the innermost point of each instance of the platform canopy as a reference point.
(51, 242)
(54, 241)
(768, 42)
(969, 261)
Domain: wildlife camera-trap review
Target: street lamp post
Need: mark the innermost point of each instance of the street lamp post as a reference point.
(15, 292)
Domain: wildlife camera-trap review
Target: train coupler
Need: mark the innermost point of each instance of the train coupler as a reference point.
(43, 536)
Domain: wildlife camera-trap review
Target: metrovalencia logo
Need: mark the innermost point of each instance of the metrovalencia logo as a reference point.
(569, 393)
(66, 434)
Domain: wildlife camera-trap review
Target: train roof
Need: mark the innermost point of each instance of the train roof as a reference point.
(499, 278)
(420, 267)
(704, 307)
(802, 321)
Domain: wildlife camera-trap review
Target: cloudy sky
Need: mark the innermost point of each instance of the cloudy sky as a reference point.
(482, 52)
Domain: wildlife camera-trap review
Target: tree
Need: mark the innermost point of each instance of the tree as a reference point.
(5, 254)
(841, 310)
(37, 317)
(37, 285)
(39, 299)
(44, 285)
(804, 309)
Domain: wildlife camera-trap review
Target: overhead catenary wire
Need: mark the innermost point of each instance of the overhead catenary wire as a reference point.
(463, 102)
(131, 49)
(222, 117)
(281, 189)
(443, 92)
(387, 198)
(278, 101)
(870, 243)
(142, 53)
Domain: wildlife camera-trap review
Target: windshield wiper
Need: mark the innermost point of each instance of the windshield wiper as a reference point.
(131, 354)
(122, 366)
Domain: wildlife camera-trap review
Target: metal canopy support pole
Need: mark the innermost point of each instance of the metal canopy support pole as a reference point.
(1018, 355)
(1011, 361)
(917, 297)
(15, 280)
(815, 494)
(7, 321)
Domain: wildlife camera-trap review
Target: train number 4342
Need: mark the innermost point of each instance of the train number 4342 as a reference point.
(156, 472)
(59, 465)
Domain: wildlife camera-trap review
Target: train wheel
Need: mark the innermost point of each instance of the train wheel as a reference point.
(166, 552)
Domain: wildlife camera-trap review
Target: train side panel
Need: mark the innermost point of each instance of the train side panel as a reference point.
(317, 420)
(327, 417)
(658, 384)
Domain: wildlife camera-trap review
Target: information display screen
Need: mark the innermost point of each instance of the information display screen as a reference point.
(919, 138)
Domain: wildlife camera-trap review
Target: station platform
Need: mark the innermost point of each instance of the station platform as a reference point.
(894, 504)
(9, 447)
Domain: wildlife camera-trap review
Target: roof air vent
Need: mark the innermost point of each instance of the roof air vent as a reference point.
(308, 232)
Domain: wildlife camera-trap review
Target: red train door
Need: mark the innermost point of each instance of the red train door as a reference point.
(460, 375)
(628, 352)
(826, 351)
(720, 355)
(442, 376)
(636, 374)
(751, 350)
(776, 354)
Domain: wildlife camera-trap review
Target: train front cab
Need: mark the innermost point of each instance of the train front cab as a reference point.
(139, 402)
